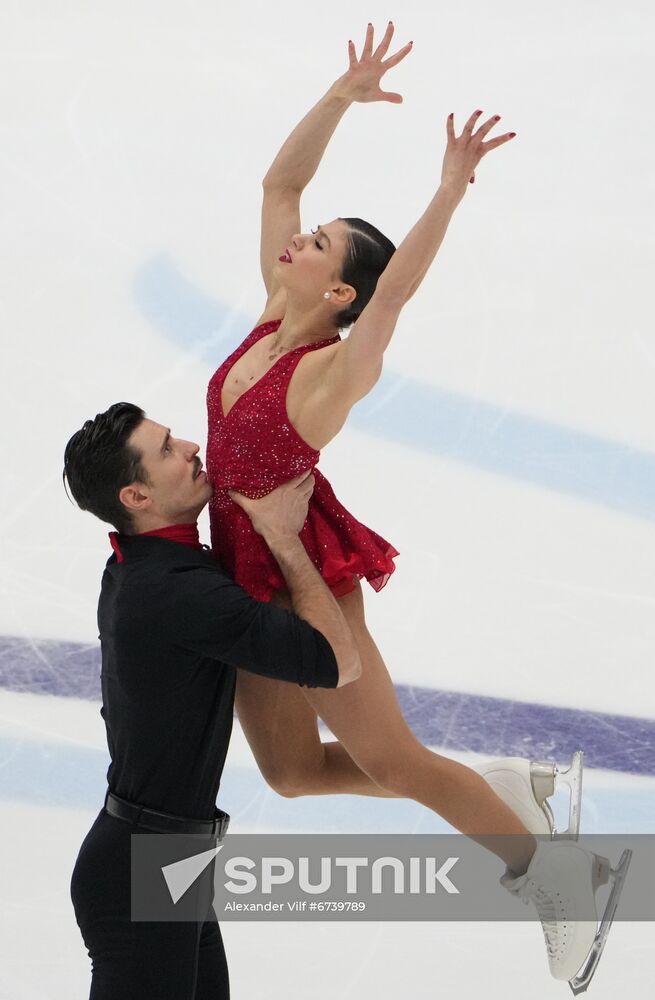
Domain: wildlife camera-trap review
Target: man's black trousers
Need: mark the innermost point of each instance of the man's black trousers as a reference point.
(137, 960)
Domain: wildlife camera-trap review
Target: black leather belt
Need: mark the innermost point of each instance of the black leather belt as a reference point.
(150, 819)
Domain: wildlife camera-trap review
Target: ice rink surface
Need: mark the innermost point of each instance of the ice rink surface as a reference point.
(508, 451)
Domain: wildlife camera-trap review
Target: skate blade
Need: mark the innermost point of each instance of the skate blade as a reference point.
(544, 775)
(580, 982)
(573, 778)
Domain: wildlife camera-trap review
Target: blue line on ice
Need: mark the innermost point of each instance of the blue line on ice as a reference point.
(448, 719)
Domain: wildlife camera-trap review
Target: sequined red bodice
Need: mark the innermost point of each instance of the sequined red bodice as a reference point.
(254, 449)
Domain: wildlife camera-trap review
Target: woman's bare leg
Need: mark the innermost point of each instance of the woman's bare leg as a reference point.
(281, 726)
(366, 718)
(282, 730)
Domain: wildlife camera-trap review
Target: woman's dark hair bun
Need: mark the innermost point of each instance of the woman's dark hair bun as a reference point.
(369, 251)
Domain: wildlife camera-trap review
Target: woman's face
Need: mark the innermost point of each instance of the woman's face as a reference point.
(316, 262)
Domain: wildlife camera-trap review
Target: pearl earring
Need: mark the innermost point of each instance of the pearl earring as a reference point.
(326, 295)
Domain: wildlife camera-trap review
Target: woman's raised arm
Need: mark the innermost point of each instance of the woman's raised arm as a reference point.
(358, 363)
(298, 160)
(412, 259)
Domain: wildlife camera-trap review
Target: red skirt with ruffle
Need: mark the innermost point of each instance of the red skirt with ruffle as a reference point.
(341, 547)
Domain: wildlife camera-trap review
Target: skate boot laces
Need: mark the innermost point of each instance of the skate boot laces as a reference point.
(550, 908)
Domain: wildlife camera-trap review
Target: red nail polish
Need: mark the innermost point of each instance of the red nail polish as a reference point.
(512, 134)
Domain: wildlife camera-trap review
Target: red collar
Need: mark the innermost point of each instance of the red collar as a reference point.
(186, 534)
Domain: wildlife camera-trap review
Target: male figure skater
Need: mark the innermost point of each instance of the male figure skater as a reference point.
(173, 629)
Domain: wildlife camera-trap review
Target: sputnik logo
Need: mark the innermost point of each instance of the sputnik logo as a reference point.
(181, 875)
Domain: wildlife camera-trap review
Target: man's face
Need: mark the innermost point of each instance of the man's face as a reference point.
(178, 489)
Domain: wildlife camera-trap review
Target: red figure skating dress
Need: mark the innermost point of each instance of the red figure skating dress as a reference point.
(253, 450)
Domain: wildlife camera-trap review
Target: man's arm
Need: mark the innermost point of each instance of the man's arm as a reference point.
(213, 616)
(279, 517)
(313, 601)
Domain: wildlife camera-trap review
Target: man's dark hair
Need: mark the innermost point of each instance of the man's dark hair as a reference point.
(98, 462)
(368, 253)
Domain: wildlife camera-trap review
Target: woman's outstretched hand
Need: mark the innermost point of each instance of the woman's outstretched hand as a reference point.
(361, 82)
(463, 153)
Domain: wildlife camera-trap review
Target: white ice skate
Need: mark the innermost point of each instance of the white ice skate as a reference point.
(562, 880)
(525, 786)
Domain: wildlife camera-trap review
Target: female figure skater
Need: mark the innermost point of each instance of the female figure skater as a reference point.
(273, 404)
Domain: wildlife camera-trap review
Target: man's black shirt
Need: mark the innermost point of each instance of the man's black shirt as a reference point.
(173, 629)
